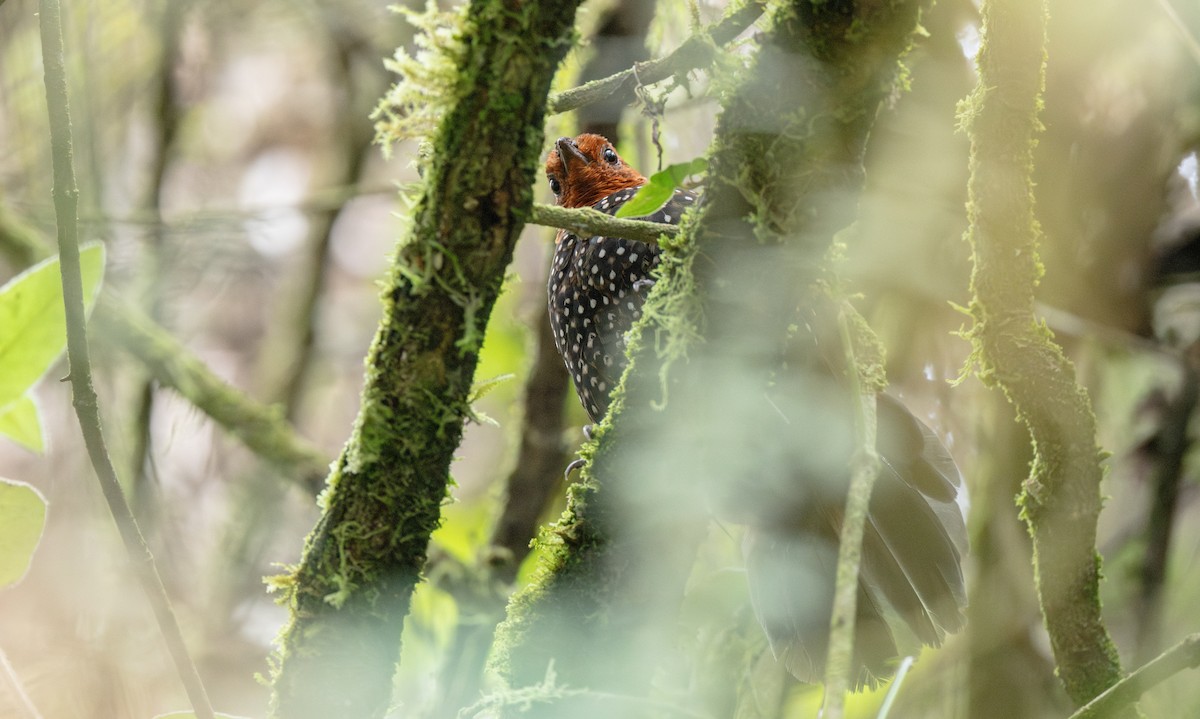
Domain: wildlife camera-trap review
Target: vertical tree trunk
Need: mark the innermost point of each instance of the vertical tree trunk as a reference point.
(351, 591)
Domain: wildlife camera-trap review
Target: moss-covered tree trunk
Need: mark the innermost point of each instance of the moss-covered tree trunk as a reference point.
(1061, 498)
(350, 593)
(784, 175)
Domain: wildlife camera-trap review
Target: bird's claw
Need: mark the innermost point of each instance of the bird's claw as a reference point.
(574, 465)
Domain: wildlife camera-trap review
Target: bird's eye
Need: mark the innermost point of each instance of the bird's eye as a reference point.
(555, 186)
(610, 156)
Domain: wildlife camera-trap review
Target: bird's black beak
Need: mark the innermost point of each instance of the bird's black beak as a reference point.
(569, 153)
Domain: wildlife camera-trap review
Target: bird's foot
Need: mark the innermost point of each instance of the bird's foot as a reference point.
(574, 465)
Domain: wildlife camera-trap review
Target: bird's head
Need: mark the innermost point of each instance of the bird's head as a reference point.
(587, 169)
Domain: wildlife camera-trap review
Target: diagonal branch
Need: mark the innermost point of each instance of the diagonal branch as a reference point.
(695, 52)
(1184, 655)
(261, 428)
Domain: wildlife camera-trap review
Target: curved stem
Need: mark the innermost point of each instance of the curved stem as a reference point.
(1015, 351)
(66, 205)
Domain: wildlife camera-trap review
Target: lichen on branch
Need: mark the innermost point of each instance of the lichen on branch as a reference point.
(1015, 351)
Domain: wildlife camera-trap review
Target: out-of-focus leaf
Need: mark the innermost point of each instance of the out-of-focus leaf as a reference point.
(434, 615)
(655, 193)
(192, 715)
(33, 325)
(22, 517)
(21, 422)
(464, 529)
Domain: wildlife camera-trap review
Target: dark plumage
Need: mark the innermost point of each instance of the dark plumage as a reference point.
(598, 284)
(915, 538)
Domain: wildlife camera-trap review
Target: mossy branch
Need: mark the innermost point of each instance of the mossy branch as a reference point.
(66, 209)
(350, 593)
(1014, 350)
(263, 429)
(1184, 655)
(593, 222)
(695, 52)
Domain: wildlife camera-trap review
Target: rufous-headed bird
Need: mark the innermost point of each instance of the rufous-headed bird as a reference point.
(915, 538)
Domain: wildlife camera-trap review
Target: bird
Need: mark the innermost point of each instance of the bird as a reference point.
(597, 285)
(911, 583)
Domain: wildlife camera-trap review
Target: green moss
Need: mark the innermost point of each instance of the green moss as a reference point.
(1015, 351)
(350, 593)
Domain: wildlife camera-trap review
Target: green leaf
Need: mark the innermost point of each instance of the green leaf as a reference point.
(21, 422)
(655, 193)
(22, 517)
(33, 325)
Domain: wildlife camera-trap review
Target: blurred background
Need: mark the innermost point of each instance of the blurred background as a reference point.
(226, 158)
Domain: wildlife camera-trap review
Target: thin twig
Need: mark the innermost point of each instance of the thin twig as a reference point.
(1181, 27)
(865, 468)
(1184, 655)
(695, 52)
(66, 202)
(894, 690)
(14, 680)
(594, 222)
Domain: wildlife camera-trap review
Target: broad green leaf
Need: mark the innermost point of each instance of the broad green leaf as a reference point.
(33, 325)
(22, 517)
(192, 715)
(21, 422)
(655, 193)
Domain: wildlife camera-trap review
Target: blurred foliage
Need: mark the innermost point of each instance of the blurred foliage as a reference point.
(22, 517)
(33, 336)
(262, 91)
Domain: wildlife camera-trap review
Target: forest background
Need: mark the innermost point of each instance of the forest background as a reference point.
(229, 158)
